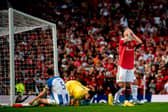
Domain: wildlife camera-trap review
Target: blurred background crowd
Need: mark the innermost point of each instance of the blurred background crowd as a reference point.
(88, 35)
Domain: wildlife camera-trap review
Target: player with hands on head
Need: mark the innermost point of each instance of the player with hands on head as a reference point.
(125, 75)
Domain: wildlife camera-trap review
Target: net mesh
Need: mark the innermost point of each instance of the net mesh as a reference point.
(33, 54)
(21, 23)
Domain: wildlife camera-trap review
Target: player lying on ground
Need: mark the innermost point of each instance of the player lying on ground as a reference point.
(57, 89)
(79, 93)
(19, 98)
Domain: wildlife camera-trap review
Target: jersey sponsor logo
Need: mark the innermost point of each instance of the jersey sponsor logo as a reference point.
(129, 49)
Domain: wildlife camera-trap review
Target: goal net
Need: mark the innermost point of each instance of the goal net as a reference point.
(27, 48)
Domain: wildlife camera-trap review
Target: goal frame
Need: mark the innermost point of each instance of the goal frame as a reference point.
(11, 11)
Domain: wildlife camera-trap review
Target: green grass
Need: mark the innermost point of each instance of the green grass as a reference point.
(148, 107)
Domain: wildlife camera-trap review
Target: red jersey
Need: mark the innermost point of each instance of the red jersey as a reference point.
(159, 83)
(126, 54)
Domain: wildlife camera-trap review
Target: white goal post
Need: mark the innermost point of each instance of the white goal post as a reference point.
(38, 36)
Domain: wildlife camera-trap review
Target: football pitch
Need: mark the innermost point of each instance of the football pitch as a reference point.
(148, 107)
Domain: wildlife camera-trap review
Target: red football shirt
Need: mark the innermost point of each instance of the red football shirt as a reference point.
(126, 54)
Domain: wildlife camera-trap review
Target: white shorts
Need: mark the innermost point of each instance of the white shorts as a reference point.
(59, 100)
(54, 102)
(125, 75)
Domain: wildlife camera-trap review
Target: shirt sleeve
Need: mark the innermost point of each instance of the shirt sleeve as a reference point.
(121, 42)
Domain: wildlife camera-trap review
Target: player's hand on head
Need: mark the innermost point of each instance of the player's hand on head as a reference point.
(130, 37)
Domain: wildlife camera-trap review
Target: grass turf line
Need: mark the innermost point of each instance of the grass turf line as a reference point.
(148, 107)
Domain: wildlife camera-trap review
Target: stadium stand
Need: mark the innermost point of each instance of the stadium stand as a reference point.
(88, 36)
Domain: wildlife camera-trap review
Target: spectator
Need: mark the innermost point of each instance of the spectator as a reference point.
(86, 36)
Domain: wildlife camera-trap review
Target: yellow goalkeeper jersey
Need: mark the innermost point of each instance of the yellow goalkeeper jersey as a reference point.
(76, 89)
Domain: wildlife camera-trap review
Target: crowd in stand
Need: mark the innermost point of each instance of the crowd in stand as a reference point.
(88, 36)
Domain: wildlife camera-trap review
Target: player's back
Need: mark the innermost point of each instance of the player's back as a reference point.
(58, 89)
(76, 89)
(73, 83)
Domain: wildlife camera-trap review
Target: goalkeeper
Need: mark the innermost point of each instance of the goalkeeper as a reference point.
(20, 88)
(78, 92)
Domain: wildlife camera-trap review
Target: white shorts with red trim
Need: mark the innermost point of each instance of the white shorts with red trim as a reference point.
(125, 75)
